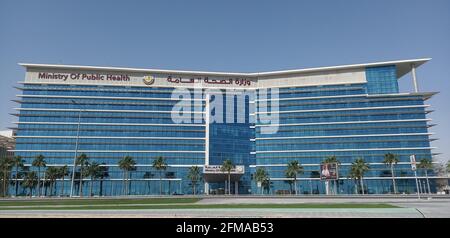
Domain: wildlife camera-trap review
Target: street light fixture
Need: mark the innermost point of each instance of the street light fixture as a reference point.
(76, 150)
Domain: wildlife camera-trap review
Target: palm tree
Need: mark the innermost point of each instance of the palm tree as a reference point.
(93, 170)
(357, 170)
(391, 160)
(448, 168)
(333, 160)
(30, 181)
(194, 176)
(62, 173)
(52, 174)
(426, 164)
(6, 164)
(290, 175)
(160, 165)
(82, 161)
(39, 162)
(261, 176)
(17, 163)
(126, 164)
(227, 166)
(103, 173)
(293, 169)
(266, 185)
(148, 175)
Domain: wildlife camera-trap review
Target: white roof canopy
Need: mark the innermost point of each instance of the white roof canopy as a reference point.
(403, 67)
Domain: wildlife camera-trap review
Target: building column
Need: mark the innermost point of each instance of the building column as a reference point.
(206, 188)
(414, 78)
(225, 190)
(207, 115)
(236, 186)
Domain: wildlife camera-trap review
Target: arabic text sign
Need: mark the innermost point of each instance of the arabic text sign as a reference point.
(207, 80)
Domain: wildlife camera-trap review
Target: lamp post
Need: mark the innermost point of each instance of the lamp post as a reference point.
(76, 151)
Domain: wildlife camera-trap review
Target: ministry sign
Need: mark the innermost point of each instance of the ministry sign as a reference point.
(84, 76)
(136, 79)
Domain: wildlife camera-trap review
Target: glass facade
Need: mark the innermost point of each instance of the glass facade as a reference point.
(348, 121)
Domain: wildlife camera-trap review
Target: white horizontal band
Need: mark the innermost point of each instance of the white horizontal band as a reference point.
(343, 150)
(113, 151)
(345, 109)
(115, 137)
(108, 124)
(343, 136)
(98, 110)
(102, 97)
(344, 122)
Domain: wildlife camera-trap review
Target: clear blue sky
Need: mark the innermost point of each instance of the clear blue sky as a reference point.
(229, 35)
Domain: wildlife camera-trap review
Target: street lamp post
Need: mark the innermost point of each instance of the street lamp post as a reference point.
(76, 151)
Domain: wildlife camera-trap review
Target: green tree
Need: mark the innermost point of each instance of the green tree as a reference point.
(194, 176)
(227, 166)
(93, 171)
(357, 170)
(160, 165)
(82, 161)
(147, 176)
(293, 169)
(52, 174)
(261, 176)
(103, 173)
(39, 162)
(290, 175)
(63, 171)
(425, 165)
(448, 167)
(333, 160)
(6, 165)
(30, 181)
(126, 164)
(391, 160)
(17, 163)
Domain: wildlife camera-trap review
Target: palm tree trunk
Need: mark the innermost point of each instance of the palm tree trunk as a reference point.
(31, 192)
(428, 182)
(81, 181)
(62, 186)
(160, 183)
(129, 175)
(39, 182)
(51, 189)
(100, 192)
(17, 181)
(169, 182)
(90, 186)
(229, 183)
(4, 183)
(124, 183)
(295, 186)
(393, 179)
(362, 185)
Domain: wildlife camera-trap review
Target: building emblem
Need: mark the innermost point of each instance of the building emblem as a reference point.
(149, 80)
